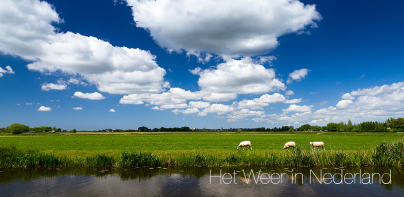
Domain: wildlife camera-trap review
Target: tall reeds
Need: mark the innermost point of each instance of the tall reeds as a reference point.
(383, 155)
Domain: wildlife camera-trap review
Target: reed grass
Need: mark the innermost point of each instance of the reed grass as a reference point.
(386, 154)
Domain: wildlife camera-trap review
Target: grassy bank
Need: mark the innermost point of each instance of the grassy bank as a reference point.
(385, 154)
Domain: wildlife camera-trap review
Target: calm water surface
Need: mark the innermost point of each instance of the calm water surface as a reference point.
(194, 181)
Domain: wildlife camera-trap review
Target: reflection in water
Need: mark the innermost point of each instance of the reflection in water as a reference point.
(174, 181)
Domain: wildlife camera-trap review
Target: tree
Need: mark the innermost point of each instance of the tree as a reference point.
(340, 127)
(18, 128)
(349, 123)
(316, 128)
(185, 129)
(331, 126)
(305, 127)
(290, 130)
(143, 129)
(73, 131)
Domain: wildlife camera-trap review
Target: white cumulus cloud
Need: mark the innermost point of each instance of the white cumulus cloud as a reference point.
(297, 75)
(199, 104)
(77, 108)
(289, 92)
(219, 109)
(26, 31)
(228, 27)
(347, 96)
(8, 70)
(43, 108)
(52, 86)
(344, 103)
(111, 110)
(239, 77)
(297, 108)
(91, 96)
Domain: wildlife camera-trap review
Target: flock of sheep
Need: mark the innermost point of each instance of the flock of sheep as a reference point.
(287, 145)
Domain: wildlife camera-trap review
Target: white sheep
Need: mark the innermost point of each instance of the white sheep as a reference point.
(318, 144)
(245, 143)
(288, 145)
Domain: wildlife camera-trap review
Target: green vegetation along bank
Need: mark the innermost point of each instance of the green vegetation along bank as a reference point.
(200, 149)
(385, 154)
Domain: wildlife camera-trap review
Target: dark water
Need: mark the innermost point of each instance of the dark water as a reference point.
(193, 181)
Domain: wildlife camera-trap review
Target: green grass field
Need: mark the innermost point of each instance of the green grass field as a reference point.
(196, 141)
(199, 149)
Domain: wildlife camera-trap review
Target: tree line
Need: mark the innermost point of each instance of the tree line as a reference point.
(391, 124)
(17, 128)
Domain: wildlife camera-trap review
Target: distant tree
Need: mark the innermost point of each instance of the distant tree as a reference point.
(305, 127)
(143, 129)
(349, 128)
(155, 130)
(18, 128)
(349, 123)
(390, 123)
(73, 131)
(290, 130)
(316, 128)
(331, 126)
(185, 129)
(340, 127)
(399, 123)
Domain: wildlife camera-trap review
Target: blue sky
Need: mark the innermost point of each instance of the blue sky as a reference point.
(92, 64)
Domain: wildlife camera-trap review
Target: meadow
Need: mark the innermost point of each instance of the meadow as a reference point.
(199, 149)
(195, 141)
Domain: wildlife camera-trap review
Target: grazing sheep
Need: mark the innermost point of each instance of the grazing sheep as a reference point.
(318, 144)
(245, 143)
(288, 145)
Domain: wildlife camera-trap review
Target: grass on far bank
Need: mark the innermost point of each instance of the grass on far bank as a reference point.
(82, 144)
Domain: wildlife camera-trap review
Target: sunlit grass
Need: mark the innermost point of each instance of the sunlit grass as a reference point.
(79, 144)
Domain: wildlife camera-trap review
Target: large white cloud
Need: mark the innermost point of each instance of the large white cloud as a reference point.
(8, 70)
(26, 31)
(240, 77)
(91, 96)
(172, 96)
(377, 90)
(375, 103)
(263, 101)
(228, 27)
(222, 83)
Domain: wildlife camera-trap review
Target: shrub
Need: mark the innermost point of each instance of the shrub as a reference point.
(18, 128)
